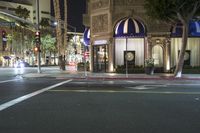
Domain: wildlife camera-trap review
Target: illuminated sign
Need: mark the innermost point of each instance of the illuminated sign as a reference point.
(100, 42)
(7, 24)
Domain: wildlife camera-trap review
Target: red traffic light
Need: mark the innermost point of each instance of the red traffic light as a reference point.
(36, 49)
(3, 32)
(37, 37)
(37, 33)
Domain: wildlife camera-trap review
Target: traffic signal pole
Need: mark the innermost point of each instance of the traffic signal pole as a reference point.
(38, 28)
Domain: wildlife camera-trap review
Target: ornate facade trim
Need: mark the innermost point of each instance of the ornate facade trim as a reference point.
(98, 4)
(99, 23)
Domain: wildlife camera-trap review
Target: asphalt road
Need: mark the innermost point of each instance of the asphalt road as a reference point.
(49, 105)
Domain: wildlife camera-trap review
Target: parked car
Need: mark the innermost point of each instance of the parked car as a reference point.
(22, 64)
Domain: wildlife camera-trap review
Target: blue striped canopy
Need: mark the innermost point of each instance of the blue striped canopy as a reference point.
(129, 27)
(86, 37)
(194, 29)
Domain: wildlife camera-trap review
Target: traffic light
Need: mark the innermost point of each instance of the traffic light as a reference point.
(37, 37)
(3, 34)
(4, 39)
(37, 41)
(36, 49)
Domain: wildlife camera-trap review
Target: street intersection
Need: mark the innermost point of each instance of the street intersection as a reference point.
(57, 103)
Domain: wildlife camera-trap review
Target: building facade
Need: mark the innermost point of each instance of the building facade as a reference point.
(122, 34)
(16, 43)
(44, 8)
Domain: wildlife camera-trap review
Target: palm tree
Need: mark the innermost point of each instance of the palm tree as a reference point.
(44, 23)
(65, 23)
(61, 50)
(56, 4)
(22, 13)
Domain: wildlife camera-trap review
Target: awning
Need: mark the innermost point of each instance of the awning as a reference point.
(194, 29)
(129, 27)
(86, 37)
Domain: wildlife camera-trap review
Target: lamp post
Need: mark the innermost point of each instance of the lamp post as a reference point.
(38, 28)
(84, 57)
(126, 58)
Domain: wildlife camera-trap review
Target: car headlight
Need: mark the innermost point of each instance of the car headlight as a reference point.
(22, 65)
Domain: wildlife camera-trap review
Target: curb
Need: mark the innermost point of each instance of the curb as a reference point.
(131, 78)
(81, 77)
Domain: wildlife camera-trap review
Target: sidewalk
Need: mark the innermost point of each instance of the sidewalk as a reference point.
(114, 76)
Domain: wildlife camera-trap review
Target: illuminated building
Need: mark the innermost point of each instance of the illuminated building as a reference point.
(122, 34)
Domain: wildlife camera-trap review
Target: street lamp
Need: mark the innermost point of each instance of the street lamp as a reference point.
(84, 57)
(38, 32)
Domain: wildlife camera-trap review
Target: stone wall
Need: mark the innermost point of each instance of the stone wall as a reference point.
(109, 12)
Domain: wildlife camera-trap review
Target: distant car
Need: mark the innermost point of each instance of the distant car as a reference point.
(22, 64)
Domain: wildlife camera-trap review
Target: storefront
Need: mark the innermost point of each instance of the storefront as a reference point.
(123, 35)
(129, 43)
(100, 58)
(192, 55)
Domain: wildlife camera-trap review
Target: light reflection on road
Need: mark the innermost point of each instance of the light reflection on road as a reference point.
(19, 71)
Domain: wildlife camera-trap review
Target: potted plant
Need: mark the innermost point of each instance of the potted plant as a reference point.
(149, 66)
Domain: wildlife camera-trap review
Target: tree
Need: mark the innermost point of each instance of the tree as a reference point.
(65, 23)
(45, 26)
(175, 11)
(61, 49)
(48, 44)
(44, 23)
(9, 40)
(22, 13)
(56, 4)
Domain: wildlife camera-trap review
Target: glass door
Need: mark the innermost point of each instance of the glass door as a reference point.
(100, 58)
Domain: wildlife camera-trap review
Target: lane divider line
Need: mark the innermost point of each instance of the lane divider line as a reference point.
(25, 97)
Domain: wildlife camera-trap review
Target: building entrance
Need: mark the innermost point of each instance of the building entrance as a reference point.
(100, 58)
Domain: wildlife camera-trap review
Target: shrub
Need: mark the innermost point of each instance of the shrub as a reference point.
(80, 66)
(136, 69)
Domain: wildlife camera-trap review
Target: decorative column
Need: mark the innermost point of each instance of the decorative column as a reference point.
(149, 47)
(167, 54)
(91, 56)
(110, 55)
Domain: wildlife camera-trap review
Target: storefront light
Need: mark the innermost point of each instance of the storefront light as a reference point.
(100, 42)
(158, 41)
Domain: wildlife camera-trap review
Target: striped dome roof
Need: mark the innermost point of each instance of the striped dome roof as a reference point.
(86, 36)
(129, 27)
(194, 29)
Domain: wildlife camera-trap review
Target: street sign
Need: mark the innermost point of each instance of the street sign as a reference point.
(7, 24)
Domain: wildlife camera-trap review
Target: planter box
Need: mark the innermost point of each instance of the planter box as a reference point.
(149, 70)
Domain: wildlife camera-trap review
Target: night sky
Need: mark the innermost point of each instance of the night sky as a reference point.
(75, 10)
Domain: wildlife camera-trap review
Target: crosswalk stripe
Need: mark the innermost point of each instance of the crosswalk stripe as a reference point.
(25, 97)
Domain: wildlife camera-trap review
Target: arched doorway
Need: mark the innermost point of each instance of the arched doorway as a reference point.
(157, 55)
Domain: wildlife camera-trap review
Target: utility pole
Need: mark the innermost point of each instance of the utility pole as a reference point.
(38, 30)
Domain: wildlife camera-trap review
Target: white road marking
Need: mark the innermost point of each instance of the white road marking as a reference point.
(25, 97)
(145, 87)
(141, 87)
(5, 81)
(189, 84)
(141, 81)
